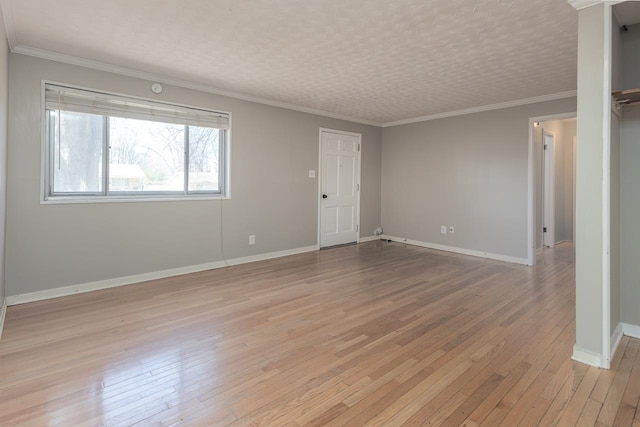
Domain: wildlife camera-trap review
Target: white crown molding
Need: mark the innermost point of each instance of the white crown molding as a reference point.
(9, 27)
(490, 107)
(583, 4)
(116, 69)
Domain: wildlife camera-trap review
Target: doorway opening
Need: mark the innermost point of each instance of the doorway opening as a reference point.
(551, 182)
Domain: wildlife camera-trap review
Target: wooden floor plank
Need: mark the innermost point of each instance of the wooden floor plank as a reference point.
(613, 400)
(373, 334)
(589, 415)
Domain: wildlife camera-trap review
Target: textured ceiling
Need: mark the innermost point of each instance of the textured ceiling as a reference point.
(377, 60)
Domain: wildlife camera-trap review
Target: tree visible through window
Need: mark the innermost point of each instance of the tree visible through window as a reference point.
(115, 155)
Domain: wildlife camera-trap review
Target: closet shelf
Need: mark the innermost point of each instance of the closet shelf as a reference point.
(627, 97)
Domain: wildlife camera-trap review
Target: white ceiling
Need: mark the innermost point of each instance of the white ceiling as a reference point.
(376, 60)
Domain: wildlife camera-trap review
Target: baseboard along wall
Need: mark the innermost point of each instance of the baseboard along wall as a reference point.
(587, 357)
(629, 330)
(137, 278)
(3, 314)
(456, 250)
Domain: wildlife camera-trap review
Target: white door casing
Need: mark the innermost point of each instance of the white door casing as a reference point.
(548, 222)
(339, 185)
(574, 191)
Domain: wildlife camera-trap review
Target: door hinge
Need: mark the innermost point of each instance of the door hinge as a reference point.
(358, 187)
(546, 146)
(544, 229)
(358, 147)
(357, 228)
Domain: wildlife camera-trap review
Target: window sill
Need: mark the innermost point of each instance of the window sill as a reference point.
(70, 200)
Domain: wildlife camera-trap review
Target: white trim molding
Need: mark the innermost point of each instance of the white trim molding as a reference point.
(616, 337)
(462, 251)
(368, 239)
(489, 107)
(583, 4)
(629, 330)
(587, 357)
(3, 315)
(594, 359)
(137, 278)
(158, 78)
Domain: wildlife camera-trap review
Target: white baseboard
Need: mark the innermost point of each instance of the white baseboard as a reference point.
(587, 357)
(137, 278)
(616, 337)
(462, 251)
(3, 314)
(369, 239)
(594, 359)
(632, 331)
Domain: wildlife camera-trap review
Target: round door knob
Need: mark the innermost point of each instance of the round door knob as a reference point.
(324, 196)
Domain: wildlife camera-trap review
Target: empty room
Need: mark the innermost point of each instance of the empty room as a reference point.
(292, 213)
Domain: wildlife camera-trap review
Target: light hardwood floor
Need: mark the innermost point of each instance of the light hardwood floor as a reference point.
(375, 334)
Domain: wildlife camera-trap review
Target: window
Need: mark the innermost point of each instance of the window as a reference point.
(107, 146)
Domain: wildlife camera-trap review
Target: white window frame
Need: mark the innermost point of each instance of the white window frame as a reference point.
(46, 197)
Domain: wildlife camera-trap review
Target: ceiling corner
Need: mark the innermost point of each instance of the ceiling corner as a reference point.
(10, 28)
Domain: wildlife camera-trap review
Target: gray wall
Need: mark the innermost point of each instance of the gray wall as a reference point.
(564, 182)
(4, 90)
(468, 171)
(50, 246)
(629, 240)
(616, 55)
(629, 215)
(630, 49)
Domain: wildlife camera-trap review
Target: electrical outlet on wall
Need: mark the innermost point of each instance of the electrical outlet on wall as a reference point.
(443, 229)
(452, 229)
(252, 239)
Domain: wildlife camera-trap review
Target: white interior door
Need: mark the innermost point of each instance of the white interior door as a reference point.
(339, 188)
(548, 218)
